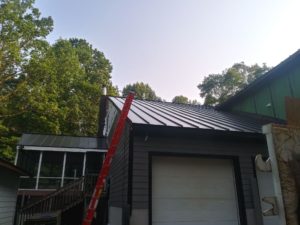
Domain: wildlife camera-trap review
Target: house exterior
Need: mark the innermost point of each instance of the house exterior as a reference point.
(176, 164)
(8, 191)
(181, 164)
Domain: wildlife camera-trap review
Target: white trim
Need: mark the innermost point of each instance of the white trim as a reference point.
(267, 131)
(84, 164)
(59, 149)
(17, 155)
(39, 171)
(72, 178)
(40, 177)
(63, 170)
(30, 189)
(50, 177)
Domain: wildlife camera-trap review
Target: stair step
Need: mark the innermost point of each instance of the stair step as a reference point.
(57, 202)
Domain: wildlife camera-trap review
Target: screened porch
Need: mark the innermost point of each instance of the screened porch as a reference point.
(54, 166)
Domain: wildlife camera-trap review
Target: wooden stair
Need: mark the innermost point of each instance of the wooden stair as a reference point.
(57, 202)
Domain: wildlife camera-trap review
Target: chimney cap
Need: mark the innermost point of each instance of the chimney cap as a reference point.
(104, 90)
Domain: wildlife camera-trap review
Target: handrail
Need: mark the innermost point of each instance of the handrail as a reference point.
(55, 193)
(61, 199)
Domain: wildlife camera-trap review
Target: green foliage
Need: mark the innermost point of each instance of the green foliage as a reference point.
(6, 142)
(180, 99)
(22, 32)
(46, 88)
(217, 88)
(141, 90)
(63, 89)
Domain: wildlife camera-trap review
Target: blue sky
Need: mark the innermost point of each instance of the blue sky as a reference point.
(173, 44)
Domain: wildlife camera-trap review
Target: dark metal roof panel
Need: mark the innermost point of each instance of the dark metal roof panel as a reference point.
(61, 141)
(187, 116)
(133, 115)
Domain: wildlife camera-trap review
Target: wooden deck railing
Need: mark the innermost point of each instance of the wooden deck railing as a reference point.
(60, 200)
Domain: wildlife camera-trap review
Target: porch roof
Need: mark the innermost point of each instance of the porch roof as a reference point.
(61, 143)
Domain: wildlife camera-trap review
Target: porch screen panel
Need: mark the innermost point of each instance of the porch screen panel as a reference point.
(93, 162)
(28, 160)
(51, 170)
(74, 167)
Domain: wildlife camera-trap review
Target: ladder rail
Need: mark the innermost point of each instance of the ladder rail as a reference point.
(108, 159)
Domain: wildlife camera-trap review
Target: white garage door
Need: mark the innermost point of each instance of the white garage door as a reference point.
(193, 191)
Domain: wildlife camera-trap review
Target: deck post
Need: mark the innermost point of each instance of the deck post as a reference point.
(39, 170)
(63, 170)
(84, 164)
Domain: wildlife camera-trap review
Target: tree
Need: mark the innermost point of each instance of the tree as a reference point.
(217, 88)
(46, 88)
(180, 99)
(22, 32)
(142, 91)
(83, 94)
(63, 90)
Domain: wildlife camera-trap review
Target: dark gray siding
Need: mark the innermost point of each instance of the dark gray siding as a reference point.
(118, 195)
(244, 149)
(8, 196)
(119, 172)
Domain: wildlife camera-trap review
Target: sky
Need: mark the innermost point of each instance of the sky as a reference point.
(173, 44)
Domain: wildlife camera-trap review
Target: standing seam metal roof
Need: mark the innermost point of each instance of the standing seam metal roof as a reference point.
(187, 116)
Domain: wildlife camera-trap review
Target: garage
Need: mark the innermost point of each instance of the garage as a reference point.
(193, 191)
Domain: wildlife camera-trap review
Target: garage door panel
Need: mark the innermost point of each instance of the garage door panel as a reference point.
(193, 187)
(180, 166)
(178, 209)
(204, 222)
(188, 191)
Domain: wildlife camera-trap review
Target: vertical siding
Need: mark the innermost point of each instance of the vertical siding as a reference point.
(119, 173)
(248, 105)
(274, 93)
(110, 119)
(280, 88)
(263, 98)
(295, 82)
(118, 195)
(8, 196)
(244, 150)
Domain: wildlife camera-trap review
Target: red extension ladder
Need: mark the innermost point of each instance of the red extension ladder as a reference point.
(107, 161)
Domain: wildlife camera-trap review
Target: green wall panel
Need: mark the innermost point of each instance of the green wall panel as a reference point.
(248, 105)
(262, 99)
(295, 82)
(237, 107)
(273, 93)
(280, 88)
